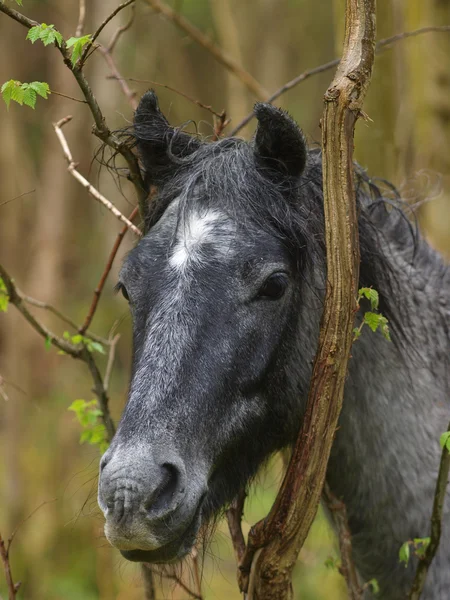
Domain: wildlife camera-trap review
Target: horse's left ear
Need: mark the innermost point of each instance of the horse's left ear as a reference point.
(279, 142)
(159, 145)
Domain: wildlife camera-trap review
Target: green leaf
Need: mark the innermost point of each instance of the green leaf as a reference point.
(4, 298)
(96, 347)
(7, 90)
(78, 45)
(29, 96)
(77, 339)
(421, 545)
(371, 295)
(40, 87)
(444, 440)
(46, 33)
(34, 33)
(404, 553)
(48, 343)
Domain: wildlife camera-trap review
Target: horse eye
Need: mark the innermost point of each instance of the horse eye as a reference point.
(121, 288)
(274, 286)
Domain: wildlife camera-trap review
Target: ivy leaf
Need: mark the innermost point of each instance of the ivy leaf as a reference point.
(78, 45)
(404, 553)
(4, 299)
(444, 440)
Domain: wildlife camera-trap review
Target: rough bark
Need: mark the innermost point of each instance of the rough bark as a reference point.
(283, 532)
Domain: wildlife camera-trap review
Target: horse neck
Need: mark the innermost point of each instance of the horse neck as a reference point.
(386, 452)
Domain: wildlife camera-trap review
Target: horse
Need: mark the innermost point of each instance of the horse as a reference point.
(226, 292)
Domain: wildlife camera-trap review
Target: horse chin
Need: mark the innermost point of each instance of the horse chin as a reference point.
(172, 552)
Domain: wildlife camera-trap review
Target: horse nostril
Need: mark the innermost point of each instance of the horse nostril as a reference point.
(164, 495)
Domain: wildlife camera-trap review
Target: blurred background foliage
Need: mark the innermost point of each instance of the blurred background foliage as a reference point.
(55, 241)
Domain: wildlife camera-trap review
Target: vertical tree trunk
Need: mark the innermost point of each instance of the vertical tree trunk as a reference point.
(281, 535)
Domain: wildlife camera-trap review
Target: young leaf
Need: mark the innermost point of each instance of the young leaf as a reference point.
(444, 440)
(373, 583)
(48, 343)
(404, 553)
(40, 87)
(78, 45)
(29, 96)
(371, 295)
(46, 33)
(420, 546)
(4, 300)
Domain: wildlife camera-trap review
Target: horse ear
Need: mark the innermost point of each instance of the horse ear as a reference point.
(159, 144)
(279, 142)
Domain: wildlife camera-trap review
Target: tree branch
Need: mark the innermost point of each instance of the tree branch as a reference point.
(98, 290)
(436, 525)
(380, 46)
(220, 55)
(13, 588)
(282, 533)
(72, 168)
(348, 568)
(76, 351)
(100, 130)
(100, 29)
(81, 19)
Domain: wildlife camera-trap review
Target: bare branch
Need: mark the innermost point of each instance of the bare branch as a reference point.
(69, 97)
(16, 197)
(100, 29)
(17, 300)
(436, 525)
(120, 30)
(81, 19)
(80, 352)
(13, 588)
(234, 518)
(84, 182)
(220, 55)
(348, 568)
(380, 46)
(98, 290)
(101, 130)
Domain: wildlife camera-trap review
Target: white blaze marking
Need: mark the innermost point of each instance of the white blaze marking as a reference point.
(195, 231)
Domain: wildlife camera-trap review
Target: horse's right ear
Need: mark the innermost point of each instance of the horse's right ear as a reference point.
(158, 143)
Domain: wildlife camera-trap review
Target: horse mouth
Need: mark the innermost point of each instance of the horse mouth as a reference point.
(174, 550)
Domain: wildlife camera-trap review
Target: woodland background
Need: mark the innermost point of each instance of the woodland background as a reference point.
(56, 239)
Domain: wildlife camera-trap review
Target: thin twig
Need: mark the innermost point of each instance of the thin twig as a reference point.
(17, 197)
(218, 53)
(128, 92)
(380, 46)
(196, 569)
(207, 107)
(168, 574)
(120, 30)
(98, 290)
(348, 569)
(100, 29)
(81, 19)
(76, 351)
(234, 518)
(13, 588)
(60, 315)
(69, 97)
(111, 356)
(72, 168)
(436, 525)
(101, 130)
